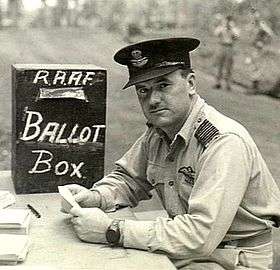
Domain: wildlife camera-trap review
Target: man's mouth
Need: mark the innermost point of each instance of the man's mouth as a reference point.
(158, 110)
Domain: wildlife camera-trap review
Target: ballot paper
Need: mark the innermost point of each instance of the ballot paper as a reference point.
(15, 221)
(6, 198)
(68, 198)
(13, 248)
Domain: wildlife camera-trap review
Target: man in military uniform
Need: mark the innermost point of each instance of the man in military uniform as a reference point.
(262, 32)
(263, 35)
(227, 33)
(210, 176)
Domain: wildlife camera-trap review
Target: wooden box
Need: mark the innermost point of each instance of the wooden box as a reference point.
(58, 126)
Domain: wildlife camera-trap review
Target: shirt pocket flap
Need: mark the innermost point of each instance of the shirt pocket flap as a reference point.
(155, 174)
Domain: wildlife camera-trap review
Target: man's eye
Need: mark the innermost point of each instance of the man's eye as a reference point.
(142, 91)
(163, 85)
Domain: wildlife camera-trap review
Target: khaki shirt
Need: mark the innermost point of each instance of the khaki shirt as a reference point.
(212, 181)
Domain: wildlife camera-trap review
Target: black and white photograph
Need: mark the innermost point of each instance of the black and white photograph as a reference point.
(139, 134)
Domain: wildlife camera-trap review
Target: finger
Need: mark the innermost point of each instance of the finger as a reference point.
(74, 188)
(80, 197)
(76, 211)
(74, 220)
(76, 228)
(63, 211)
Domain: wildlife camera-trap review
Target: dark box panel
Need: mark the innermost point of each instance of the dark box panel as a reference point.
(58, 132)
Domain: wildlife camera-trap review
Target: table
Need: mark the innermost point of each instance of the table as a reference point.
(55, 245)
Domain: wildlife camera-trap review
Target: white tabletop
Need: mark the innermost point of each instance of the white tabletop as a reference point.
(55, 245)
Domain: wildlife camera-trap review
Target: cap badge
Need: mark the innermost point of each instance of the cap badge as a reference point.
(138, 60)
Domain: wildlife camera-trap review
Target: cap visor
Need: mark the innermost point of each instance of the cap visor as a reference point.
(151, 74)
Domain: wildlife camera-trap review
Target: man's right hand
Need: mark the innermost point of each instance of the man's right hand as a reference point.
(83, 196)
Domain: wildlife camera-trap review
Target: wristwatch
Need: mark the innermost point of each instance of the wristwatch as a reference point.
(113, 233)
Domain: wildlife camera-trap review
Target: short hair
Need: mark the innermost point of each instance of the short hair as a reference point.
(186, 72)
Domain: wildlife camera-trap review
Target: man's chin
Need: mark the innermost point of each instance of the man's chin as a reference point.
(160, 122)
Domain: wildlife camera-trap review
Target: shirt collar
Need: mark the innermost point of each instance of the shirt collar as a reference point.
(195, 111)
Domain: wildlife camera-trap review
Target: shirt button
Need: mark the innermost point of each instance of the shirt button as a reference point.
(199, 120)
(153, 181)
(170, 159)
(171, 183)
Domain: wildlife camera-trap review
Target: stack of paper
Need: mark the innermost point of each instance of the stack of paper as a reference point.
(13, 248)
(14, 228)
(14, 221)
(6, 198)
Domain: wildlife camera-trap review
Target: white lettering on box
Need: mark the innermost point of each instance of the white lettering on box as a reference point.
(61, 168)
(54, 132)
(32, 125)
(61, 77)
(41, 75)
(42, 161)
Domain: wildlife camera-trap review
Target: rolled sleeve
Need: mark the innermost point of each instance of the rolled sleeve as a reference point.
(127, 184)
(139, 234)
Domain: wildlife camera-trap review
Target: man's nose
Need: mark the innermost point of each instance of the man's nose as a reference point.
(155, 97)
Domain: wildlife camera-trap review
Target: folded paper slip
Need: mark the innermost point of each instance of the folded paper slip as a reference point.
(69, 200)
(15, 221)
(6, 198)
(13, 248)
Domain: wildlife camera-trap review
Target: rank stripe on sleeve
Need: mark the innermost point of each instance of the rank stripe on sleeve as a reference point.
(206, 133)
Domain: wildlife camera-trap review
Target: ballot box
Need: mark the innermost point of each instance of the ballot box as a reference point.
(58, 126)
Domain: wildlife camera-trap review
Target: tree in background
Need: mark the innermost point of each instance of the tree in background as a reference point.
(1, 17)
(268, 8)
(60, 12)
(153, 14)
(14, 11)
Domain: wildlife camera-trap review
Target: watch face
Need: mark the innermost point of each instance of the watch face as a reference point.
(113, 233)
(113, 236)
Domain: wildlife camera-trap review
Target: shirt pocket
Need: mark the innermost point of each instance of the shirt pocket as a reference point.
(162, 179)
(156, 179)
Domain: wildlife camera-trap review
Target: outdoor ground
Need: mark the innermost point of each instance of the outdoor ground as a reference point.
(260, 114)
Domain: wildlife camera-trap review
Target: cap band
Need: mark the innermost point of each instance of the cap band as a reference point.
(166, 63)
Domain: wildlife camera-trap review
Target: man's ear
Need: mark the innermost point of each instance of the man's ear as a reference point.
(191, 81)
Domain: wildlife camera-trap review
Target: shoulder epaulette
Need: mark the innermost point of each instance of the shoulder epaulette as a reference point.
(206, 132)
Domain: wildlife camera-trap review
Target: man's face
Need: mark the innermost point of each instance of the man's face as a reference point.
(165, 100)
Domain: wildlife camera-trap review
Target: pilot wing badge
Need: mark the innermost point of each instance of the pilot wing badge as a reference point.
(188, 173)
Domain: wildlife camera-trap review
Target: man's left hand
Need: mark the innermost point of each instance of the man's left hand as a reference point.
(90, 224)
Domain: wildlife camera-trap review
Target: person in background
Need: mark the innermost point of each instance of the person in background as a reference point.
(227, 33)
(262, 32)
(262, 36)
(214, 184)
(254, 62)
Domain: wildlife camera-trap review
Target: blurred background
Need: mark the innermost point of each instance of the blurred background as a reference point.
(91, 31)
